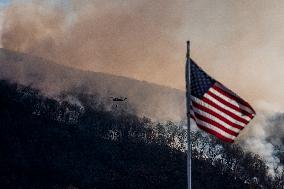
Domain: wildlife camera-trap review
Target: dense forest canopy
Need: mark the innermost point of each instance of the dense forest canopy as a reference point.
(73, 141)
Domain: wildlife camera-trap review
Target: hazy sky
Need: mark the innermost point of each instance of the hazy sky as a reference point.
(241, 44)
(238, 42)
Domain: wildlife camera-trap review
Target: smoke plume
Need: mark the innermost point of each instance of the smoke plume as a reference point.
(130, 38)
(266, 138)
(238, 42)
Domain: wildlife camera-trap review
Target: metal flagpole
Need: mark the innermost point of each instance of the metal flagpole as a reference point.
(188, 102)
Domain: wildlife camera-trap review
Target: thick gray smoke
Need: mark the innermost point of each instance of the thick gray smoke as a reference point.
(130, 38)
(266, 138)
(237, 42)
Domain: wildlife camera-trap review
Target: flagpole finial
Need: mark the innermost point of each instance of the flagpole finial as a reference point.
(187, 49)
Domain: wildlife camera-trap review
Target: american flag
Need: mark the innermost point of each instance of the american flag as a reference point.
(216, 109)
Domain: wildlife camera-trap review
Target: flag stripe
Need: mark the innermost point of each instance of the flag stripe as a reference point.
(192, 117)
(207, 110)
(216, 123)
(223, 100)
(201, 123)
(219, 87)
(228, 113)
(238, 104)
(216, 119)
(218, 135)
(225, 108)
(217, 113)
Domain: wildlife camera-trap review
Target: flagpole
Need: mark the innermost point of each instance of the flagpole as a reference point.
(188, 102)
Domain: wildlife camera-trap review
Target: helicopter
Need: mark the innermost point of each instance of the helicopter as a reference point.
(118, 99)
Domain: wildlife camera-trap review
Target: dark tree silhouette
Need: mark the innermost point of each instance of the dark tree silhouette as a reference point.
(47, 143)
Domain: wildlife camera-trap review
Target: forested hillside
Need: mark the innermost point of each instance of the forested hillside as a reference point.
(72, 141)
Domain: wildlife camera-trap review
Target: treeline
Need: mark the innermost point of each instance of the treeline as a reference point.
(73, 141)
